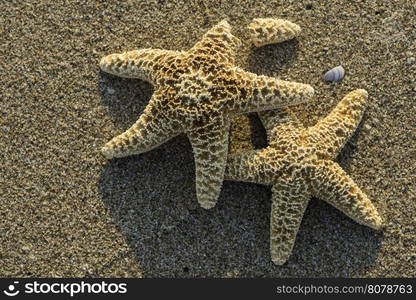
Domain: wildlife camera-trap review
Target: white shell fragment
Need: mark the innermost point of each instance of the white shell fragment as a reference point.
(335, 75)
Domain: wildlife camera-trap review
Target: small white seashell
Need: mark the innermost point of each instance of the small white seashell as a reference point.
(335, 75)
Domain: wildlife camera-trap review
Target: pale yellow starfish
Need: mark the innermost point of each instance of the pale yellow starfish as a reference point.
(196, 93)
(298, 163)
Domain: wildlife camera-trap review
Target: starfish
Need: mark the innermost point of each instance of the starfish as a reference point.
(298, 163)
(196, 93)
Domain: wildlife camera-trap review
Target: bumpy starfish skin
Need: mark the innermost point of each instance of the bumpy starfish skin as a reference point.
(269, 31)
(298, 163)
(196, 93)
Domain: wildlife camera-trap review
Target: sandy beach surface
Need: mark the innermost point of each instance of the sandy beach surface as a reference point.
(66, 211)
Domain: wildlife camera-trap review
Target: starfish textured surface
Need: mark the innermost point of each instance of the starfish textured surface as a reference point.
(196, 93)
(298, 163)
(269, 31)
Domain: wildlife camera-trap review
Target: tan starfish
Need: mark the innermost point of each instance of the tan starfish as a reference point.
(298, 163)
(196, 93)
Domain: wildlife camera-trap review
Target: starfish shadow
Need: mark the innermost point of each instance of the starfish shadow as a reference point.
(344, 157)
(273, 58)
(152, 201)
(333, 244)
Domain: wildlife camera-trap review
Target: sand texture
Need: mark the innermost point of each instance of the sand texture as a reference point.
(65, 210)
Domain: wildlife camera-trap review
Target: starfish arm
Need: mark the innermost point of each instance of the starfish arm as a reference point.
(260, 93)
(144, 64)
(331, 184)
(331, 133)
(270, 31)
(218, 42)
(210, 147)
(248, 167)
(289, 201)
(152, 129)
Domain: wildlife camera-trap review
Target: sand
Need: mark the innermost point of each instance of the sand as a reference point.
(67, 211)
